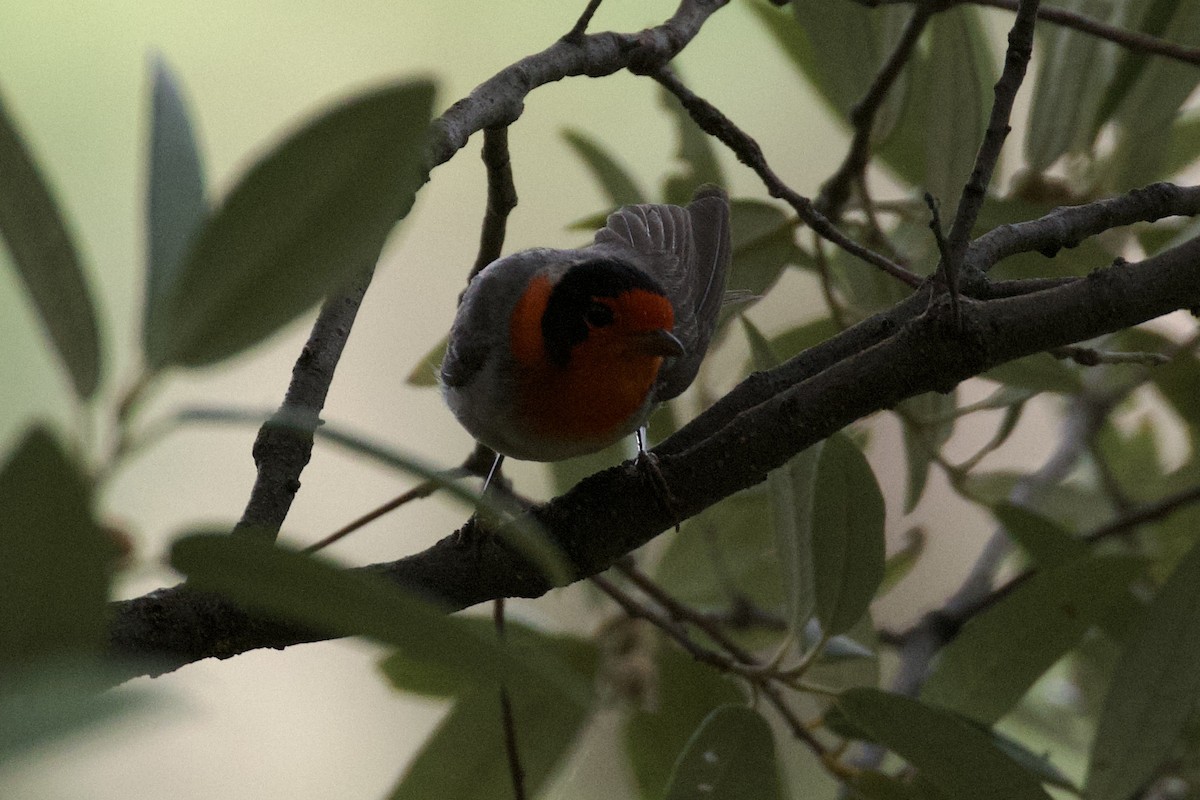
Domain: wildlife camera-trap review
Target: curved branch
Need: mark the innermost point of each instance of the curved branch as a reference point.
(613, 512)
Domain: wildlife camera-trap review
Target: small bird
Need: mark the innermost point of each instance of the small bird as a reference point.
(559, 353)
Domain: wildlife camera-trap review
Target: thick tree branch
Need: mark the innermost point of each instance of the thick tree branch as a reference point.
(613, 512)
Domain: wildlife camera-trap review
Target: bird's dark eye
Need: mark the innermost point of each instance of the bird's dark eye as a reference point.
(598, 315)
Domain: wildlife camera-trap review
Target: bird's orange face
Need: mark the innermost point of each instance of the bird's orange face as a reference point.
(589, 349)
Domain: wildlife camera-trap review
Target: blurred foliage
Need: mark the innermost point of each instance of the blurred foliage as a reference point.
(1105, 595)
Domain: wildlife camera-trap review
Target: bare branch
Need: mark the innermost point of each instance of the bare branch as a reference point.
(1016, 59)
(713, 122)
(836, 191)
(1130, 40)
(501, 197)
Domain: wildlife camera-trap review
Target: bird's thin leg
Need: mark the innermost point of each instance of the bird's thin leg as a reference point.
(647, 462)
(472, 534)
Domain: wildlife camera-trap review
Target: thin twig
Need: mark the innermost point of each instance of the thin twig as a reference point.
(764, 682)
(576, 33)
(1151, 512)
(1129, 39)
(712, 121)
(1091, 357)
(421, 490)
(836, 190)
(1016, 59)
(507, 720)
(501, 197)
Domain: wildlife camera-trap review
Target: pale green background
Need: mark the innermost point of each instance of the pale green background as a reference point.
(314, 721)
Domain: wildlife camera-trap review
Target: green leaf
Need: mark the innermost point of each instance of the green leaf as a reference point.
(55, 699)
(990, 665)
(175, 201)
(1149, 18)
(763, 243)
(1047, 543)
(1155, 686)
(1040, 372)
(953, 755)
(731, 757)
(1072, 505)
(615, 181)
(872, 785)
(695, 151)
(46, 260)
(312, 592)
(900, 563)
(845, 43)
(955, 78)
(465, 758)
(728, 552)
(793, 487)
(848, 544)
(425, 373)
(1184, 149)
(306, 220)
(927, 422)
(685, 693)
(55, 561)
(1070, 85)
(1147, 112)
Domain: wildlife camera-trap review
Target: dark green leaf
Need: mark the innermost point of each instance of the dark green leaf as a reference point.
(990, 665)
(726, 552)
(1072, 505)
(877, 786)
(1040, 372)
(306, 220)
(314, 593)
(425, 373)
(1070, 85)
(956, 80)
(928, 423)
(1154, 688)
(685, 693)
(1149, 18)
(901, 562)
(46, 261)
(1047, 543)
(55, 561)
(848, 543)
(696, 151)
(465, 758)
(731, 757)
(846, 43)
(1147, 112)
(175, 201)
(1184, 149)
(763, 244)
(51, 700)
(615, 181)
(956, 757)
(1178, 381)
(793, 504)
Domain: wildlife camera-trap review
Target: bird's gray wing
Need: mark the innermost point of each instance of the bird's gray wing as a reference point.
(687, 250)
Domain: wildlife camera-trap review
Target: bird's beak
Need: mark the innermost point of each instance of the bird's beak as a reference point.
(658, 342)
